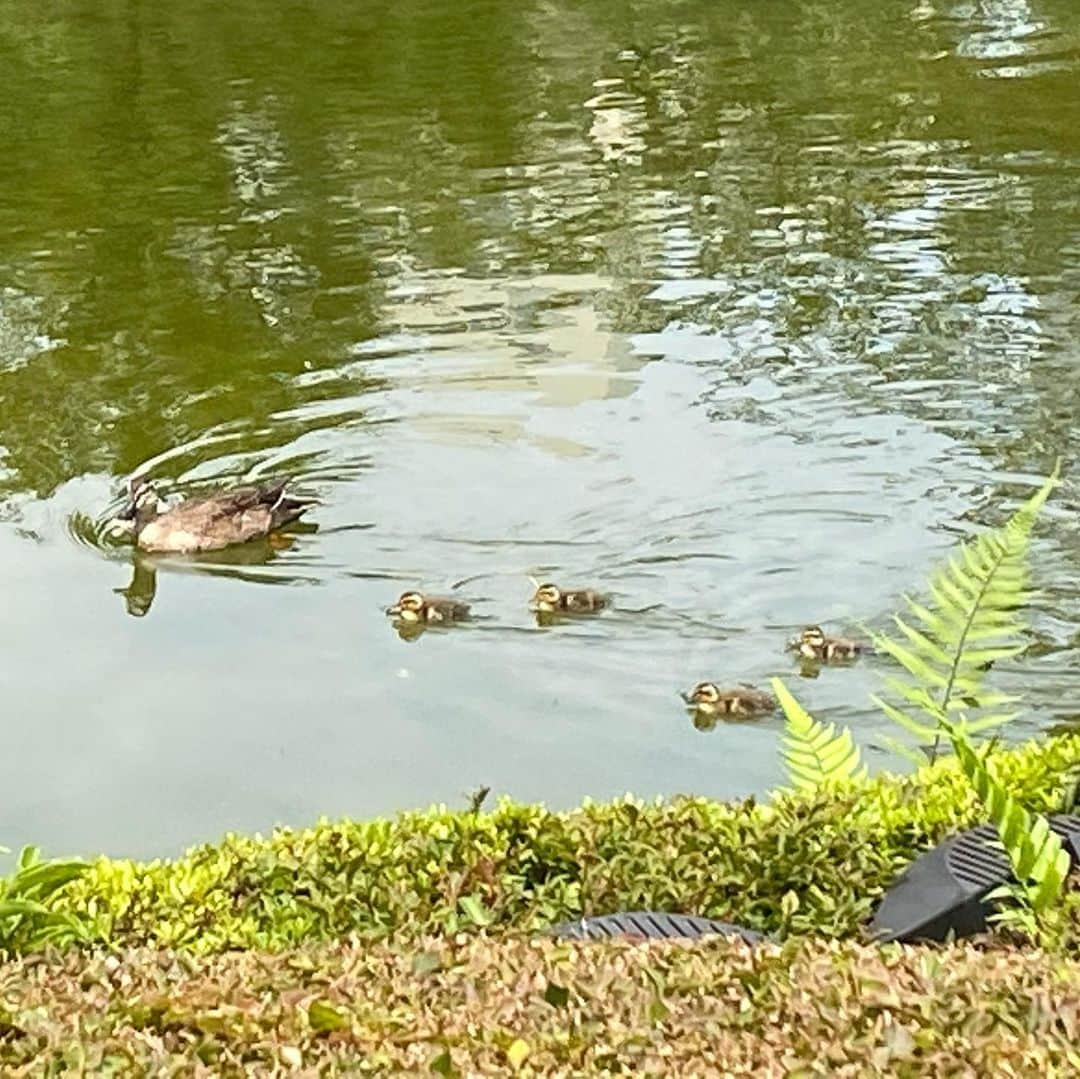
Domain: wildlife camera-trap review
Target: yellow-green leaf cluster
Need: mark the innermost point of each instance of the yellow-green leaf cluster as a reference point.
(522, 867)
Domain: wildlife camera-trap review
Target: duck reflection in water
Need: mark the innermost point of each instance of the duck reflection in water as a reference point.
(140, 592)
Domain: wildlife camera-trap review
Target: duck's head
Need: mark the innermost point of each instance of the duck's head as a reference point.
(546, 598)
(703, 695)
(142, 506)
(409, 607)
(812, 637)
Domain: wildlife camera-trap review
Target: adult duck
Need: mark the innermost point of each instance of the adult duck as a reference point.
(210, 523)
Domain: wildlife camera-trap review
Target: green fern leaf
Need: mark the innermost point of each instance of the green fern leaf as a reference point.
(1039, 861)
(971, 621)
(1050, 881)
(815, 754)
(894, 745)
(1070, 796)
(985, 723)
(930, 649)
(902, 719)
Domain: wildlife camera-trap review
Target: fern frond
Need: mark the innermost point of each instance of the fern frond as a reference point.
(986, 723)
(1070, 796)
(971, 620)
(921, 731)
(815, 754)
(894, 745)
(1039, 861)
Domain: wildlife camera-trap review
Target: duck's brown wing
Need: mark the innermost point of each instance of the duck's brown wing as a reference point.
(270, 496)
(585, 599)
(841, 648)
(242, 500)
(229, 518)
(440, 609)
(285, 510)
(450, 608)
(754, 699)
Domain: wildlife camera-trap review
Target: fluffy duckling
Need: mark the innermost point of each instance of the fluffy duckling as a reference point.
(743, 700)
(812, 643)
(551, 599)
(205, 524)
(428, 610)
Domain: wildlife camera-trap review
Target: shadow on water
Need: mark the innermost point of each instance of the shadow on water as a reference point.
(240, 563)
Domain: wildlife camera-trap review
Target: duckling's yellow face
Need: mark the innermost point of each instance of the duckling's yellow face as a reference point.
(812, 637)
(409, 607)
(704, 695)
(547, 597)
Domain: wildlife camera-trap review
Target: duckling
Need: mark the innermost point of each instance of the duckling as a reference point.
(550, 599)
(431, 610)
(205, 524)
(813, 644)
(742, 700)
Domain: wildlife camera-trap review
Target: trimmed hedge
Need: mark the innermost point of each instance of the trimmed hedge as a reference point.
(800, 864)
(480, 1006)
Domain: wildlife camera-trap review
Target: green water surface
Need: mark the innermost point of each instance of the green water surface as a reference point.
(742, 311)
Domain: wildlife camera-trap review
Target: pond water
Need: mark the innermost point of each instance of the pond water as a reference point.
(743, 312)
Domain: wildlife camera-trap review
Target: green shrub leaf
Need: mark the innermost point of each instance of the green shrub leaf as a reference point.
(325, 1018)
(517, 1053)
(474, 911)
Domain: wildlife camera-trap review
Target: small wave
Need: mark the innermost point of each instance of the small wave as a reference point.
(97, 533)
